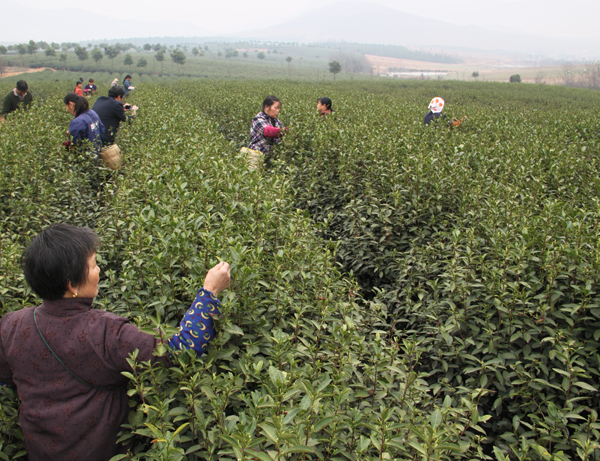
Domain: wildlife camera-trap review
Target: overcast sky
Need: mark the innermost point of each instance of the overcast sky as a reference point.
(549, 17)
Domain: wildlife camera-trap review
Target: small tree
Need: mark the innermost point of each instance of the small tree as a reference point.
(55, 45)
(160, 57)
(289, 62)
(245, 54)
(3, 51)
(128, 61)
(515, 78)
(142, 62)
(22, 50)
(50, 52)
(97, 55)
(111, 53)
(32, 48)
(231, 53)
(335, 68)
(475, 74)
(63, 59)
(82, 54)
(147, 47)
(178, 57)
(261, 55)
(195, 51)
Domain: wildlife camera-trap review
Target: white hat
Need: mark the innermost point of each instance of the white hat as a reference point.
(436, 105)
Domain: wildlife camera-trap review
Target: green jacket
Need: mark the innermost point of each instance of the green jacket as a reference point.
(12, 102)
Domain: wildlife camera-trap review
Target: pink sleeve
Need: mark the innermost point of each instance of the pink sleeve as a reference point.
(271, 131)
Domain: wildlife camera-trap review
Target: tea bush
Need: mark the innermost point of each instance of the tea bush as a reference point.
(301, 368)
(398, 291)
(481, 243)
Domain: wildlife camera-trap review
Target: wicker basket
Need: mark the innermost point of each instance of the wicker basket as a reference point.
(112, 157)
(255, 157)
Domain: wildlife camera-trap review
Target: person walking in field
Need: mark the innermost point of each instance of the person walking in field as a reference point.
(18, 97)
(324, 106)
(266, 129)
(66, 358)
(436, 106)
(86, 124)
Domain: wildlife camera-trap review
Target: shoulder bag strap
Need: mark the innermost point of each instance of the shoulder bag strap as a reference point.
(61, 362)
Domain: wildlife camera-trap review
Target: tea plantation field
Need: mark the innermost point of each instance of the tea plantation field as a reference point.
(398, 291)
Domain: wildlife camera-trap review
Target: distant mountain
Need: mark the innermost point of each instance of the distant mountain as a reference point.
(536, 28)
(367, 22)
(73, 25)
(572, 19)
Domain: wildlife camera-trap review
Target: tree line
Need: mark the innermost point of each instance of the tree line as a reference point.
(391, 51)
(338, 61)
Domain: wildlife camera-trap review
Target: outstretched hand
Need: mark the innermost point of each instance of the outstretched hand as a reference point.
(218, 278)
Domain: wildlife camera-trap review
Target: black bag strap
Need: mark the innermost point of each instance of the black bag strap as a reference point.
(61, 362)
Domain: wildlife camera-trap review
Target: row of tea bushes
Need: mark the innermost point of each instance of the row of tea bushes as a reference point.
(300, 369)
(40, 184)
(481, 244)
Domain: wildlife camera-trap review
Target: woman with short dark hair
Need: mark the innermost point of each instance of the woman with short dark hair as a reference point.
(266, 129)
(86, 125)
(324, 106)
(66, 359)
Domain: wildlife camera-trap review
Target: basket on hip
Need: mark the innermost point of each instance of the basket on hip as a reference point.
(112, 157)
(255, 157)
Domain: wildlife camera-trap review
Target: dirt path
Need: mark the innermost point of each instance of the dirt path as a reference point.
(10, 71)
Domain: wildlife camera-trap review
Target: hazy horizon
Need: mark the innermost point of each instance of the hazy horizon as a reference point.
(149, 18)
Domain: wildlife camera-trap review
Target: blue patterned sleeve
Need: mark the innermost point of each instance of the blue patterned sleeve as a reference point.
(197, 329)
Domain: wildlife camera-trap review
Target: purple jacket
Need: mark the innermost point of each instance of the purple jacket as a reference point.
(62, 418)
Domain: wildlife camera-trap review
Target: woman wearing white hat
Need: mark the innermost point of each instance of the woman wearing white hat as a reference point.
(436, 106)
